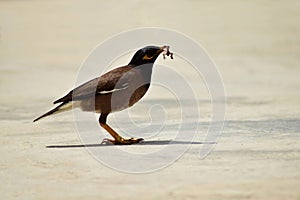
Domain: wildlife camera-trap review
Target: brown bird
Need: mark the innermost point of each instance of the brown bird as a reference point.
(115, 90)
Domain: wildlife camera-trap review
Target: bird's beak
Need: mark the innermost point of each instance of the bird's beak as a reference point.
(161, 49)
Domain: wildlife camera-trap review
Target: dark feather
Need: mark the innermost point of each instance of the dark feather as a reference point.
(50, 112)
(106, 82)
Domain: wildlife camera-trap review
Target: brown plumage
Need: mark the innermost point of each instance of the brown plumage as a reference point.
(115, 90)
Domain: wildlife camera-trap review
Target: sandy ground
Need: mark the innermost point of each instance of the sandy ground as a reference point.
(256, 46)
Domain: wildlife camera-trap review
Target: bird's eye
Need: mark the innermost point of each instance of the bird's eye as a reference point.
(146, 57)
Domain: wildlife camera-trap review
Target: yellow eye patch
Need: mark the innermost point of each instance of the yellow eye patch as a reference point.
(147, 58)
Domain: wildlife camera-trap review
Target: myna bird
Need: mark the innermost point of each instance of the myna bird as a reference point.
(115, 90)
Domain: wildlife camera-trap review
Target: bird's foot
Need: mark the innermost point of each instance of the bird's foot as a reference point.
(122, 141)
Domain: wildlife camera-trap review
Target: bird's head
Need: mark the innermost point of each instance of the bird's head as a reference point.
(146, 55)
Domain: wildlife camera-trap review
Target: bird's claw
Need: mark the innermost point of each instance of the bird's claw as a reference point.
(122, 141)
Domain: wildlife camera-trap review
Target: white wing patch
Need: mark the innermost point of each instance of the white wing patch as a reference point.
(124, 87)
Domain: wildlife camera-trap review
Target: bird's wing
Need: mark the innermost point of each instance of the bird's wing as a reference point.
(112, 81)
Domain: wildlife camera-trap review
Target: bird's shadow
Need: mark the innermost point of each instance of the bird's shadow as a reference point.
(154, 142)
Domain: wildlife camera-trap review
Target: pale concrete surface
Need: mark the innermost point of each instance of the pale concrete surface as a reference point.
(256, 47)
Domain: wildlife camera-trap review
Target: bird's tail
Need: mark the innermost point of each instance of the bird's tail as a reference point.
(65, 106)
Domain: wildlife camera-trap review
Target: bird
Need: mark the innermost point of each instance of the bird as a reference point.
(114, 91)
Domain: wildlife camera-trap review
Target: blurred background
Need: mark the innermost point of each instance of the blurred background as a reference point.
(256, 46)
(253, 43)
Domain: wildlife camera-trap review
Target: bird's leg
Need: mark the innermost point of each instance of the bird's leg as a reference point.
(118, 140)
